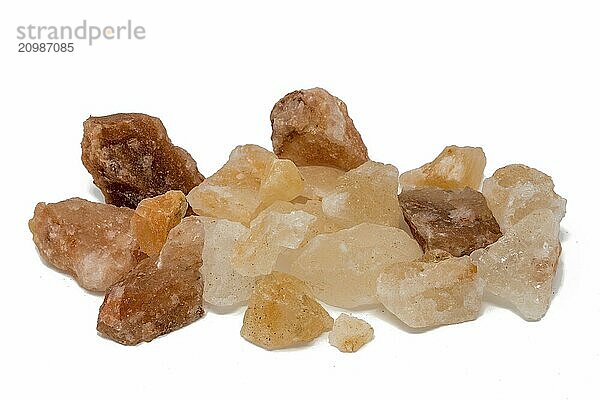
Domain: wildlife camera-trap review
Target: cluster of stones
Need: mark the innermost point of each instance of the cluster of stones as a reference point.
(313, 221)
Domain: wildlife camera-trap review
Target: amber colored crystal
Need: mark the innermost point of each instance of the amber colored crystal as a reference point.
(90, 241)
(282, 313)
(350, 333)
(161, 294)
(312, 127)
(155, 217)
(457, 220)
(130, 158)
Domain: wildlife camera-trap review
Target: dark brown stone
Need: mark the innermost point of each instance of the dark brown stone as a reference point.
(457, 221)
(131, 158)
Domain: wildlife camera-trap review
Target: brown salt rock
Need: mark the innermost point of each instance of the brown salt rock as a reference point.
(155, 217)
(90, 241)
(312, 127)
(161, 294)
(282, 313)
(457, 220)
(130, 158)
(454, 168)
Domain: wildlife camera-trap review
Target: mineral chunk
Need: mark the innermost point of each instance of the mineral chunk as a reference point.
(456, 220)
(342, 268)
(368, 193)
(131, 158)
(251, 180)
(521, 265)
(90, 241)
(282, 313)
(437, 289)
(155, 217)
(312, 127)
(350, 333)
(222, 285)
(319, 181)
(454, 168)
(270, 233)
(516, 190)
(159, 295)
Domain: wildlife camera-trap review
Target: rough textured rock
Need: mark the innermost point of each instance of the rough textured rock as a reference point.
(350, 333)
(368, 193)
(270, 233)
(312, 127)
(90, 241)
(516, 190)
(222, 285)
(131, 158)
(454, 168)
(282, 313)
(159, 295)
(521, 265)
(319, 181)
(342, 268)
(250, 181)
(437, 289)
(457, 220)
(155, 217)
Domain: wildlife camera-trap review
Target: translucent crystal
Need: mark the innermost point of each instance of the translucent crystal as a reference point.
(437, 289)
(350, 333)
(312, 127)
(319, 181)
(282, 181)
(155, 217)
(366, 194)
(159, 295)
(454, 168)
(90, 241)
(282, 313)
(516, 190)
(131, 158)
(342, 267)
(521, 265)
(455, 220)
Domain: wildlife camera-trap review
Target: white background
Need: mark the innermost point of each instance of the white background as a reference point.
(520, 78)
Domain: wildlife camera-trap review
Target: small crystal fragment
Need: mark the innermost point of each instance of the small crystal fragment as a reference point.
(90, 241)
(222, 285)
(350, 333)
(312, 127)
(159, 295)
(270, 233)
(282, 313)
(342, 268)
(251, 180)
(437, 289)
(521, 265)
(155, 217)
(131, 158)
(456, 220)
(516, 190)
(368, 193)
(319, 181)
(454, 168)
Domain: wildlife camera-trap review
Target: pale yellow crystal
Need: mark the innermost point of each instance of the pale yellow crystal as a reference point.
(342, 267)
(454, 168)
(521, 265)
(368, 193)
(350, 333)
(155, 217)
(282, 181)
(222, 285)
(516, 190)
(232, 192)
(437, 289)
(319, 181)
(282, 313)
